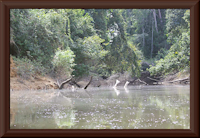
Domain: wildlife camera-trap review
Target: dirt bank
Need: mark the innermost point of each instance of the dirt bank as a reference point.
(39, 82)
(46, 82)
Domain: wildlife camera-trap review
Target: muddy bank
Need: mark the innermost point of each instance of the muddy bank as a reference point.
(33, 83)
(46, 82)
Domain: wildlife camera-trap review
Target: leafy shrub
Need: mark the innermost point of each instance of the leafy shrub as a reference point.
(27, 68)
(176, 60)
(63, 62)
(161, 53)
(178, 57)
(80, 70)
(89, 55)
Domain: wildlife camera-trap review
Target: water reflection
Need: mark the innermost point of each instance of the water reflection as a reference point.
(126, 89)
(117, 91)
(151, 107)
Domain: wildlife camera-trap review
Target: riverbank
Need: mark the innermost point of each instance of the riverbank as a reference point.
(45, 82)
(39, 82)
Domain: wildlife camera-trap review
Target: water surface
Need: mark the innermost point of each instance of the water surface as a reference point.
(145, 107)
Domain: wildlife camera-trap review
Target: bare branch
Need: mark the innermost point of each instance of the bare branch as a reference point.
(66, 81)
(142, 81)
(179, 80)
(61, 85)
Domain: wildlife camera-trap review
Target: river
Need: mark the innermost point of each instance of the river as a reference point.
(136, 107)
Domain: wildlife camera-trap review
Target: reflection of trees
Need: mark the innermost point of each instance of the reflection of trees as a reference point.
(108, 113)
(40, 110)
(161, 109)
(100, 109)
(64, 119)
(175, 107)
(13, 111)
(138, 109)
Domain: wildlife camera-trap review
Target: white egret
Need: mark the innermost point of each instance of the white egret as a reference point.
(127, 82)
(117, 82)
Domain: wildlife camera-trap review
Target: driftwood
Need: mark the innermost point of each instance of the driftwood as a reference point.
(180, 80)
(152, 79)
(157, 81)
(141, 81)
(88, 83)
(60, 86)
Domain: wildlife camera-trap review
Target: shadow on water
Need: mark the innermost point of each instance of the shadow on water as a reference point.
(134, 107)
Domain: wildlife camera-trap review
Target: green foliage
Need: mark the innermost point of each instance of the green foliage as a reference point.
(105, 41)
(80, 24)
(63, 61)
(175, 24)
(92, 47)
(90, 52)
(27, 68)
(37, 31)
(178, 57)
(161, 53)
(80, 70)
(100, 22)
(139, 29)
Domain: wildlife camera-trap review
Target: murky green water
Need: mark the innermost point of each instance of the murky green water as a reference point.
(146, 107)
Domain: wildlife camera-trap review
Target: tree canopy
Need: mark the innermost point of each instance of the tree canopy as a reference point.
(101, 41)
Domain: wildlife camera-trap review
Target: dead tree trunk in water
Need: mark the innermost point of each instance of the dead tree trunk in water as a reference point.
(88, 83)
(60, 86)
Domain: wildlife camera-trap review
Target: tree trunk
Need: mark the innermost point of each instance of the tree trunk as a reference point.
(143, 36)
(152, 40)
(160, 14)
(154, 15)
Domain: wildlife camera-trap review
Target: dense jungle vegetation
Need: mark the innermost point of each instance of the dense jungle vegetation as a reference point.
(100, 42)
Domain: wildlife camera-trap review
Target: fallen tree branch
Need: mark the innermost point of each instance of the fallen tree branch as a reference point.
(180, 80)
(60, 86)
(88, 83)
(153, 79)
(132, 81)
(141, 81)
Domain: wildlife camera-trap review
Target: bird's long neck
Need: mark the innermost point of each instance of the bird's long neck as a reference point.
(117, 82)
